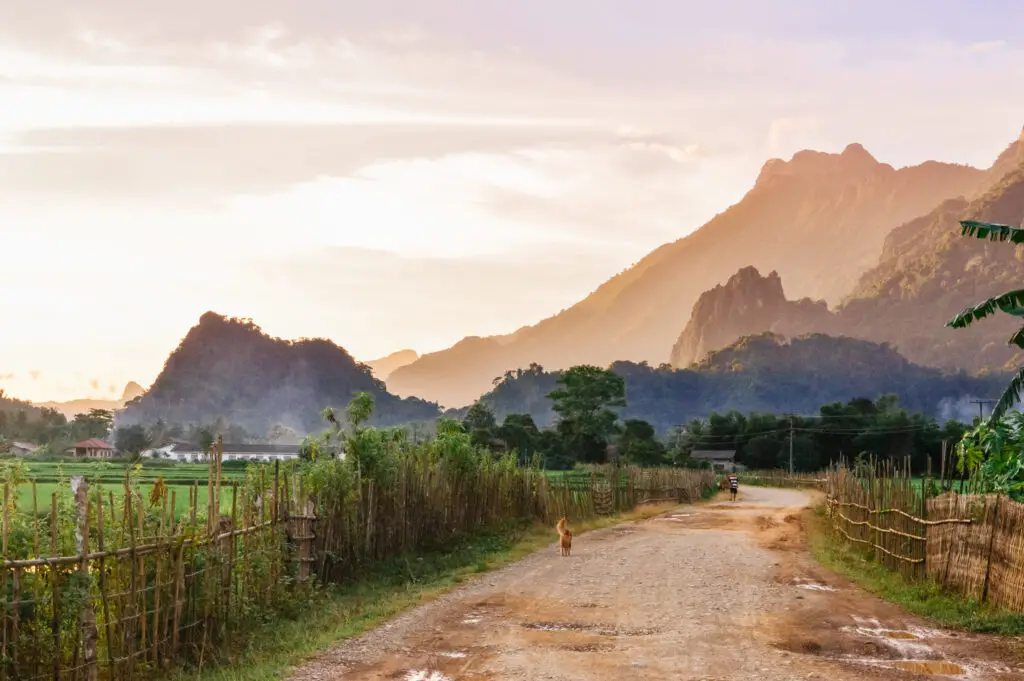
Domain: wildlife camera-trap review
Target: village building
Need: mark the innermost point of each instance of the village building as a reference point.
(22, 448)
(188, 453)
(93, 448)
(720, 459)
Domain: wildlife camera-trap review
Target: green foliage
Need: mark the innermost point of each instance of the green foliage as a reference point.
(993, 453)
(480, 424)
(584, 403)
(1011, 303)
(639, 445)
(131, 439)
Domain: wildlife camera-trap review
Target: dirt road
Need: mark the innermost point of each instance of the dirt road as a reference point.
(714, 592)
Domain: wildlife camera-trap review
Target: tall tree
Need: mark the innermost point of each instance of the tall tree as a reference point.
(95, 423)
(131, 439)
(584, 402)
(638, 444)
(1011, 303)
(480, 423)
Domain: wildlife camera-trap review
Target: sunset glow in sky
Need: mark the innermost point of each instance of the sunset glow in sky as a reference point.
(402, 173)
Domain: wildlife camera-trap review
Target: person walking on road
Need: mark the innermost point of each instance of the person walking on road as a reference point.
(734, 485)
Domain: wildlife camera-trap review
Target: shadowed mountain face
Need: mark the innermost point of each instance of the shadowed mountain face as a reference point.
(819, 220)
(927, 273)
(228, 368)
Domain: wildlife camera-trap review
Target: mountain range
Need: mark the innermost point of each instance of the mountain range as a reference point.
(82, 406)
(926, 274)
(828, 225)
(383, 366)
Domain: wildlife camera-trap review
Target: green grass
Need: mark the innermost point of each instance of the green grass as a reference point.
(45, 490)
(924, 598)
(349, 610)
(178, 477)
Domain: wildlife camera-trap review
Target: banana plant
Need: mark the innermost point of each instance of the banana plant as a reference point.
(1011, 303)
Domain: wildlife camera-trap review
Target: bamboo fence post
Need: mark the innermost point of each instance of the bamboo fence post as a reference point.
(133, 586)
(36, 576)
(143, 626)
(87, 617)
(991, 549)
(231, 556)
(157, 560)
(104, 595)
(3, 581)
(55, 622)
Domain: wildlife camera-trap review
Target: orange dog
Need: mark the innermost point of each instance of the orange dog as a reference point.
(564, 538)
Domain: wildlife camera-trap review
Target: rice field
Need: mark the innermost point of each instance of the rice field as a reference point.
(109, 475)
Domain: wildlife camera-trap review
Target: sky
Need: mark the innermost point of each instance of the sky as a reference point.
(400, 174)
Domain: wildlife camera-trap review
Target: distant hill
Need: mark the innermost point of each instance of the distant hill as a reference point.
(72, 408)
(228, 368)
(383, 366)
(763, 373)
(745, 305)
(819, 220)
(926, 274)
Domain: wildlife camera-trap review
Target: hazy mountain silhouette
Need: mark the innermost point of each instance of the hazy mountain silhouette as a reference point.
(383, 366)
(228, 368)
(927, 273)
(82, 406)
(819, 220)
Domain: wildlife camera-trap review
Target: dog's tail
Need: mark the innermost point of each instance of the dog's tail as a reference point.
(561, 528)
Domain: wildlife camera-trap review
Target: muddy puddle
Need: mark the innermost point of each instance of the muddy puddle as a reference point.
(598, 629)
(910, 647)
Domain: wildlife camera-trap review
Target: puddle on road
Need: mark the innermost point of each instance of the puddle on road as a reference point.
(425, 676)
(559, 626)
(598, 629)
(810, 585)
(930, 667)
(917, 656)
(454, 655)
(589, 647)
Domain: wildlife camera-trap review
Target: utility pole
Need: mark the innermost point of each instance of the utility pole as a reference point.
(981, 413)
(790, 443)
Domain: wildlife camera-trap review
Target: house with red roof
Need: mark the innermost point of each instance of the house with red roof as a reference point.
(93, 448)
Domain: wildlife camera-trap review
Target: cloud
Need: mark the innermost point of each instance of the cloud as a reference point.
(988, 46)
(94, 384)
(35, 374)
(7, 377)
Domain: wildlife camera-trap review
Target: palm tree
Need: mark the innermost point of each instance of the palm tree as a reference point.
(1011, 302)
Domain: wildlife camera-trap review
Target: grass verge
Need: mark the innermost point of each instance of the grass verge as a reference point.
(926, 598)
(346, 611)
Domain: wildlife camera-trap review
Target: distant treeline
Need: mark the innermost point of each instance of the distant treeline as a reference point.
(763, 374)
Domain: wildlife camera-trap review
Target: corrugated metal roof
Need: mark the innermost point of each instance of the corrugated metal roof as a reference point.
(92, 443)
(714, 454)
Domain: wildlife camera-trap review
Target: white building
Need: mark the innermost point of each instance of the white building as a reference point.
(186, 453)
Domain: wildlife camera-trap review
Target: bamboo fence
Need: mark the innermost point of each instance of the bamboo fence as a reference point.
(125, 588)
(971, 544)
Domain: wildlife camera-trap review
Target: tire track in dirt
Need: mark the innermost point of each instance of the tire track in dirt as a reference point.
(714, 591)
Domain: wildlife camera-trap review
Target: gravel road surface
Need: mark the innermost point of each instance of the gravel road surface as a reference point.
(710, 592)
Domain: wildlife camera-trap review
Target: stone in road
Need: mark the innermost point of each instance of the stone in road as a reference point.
(714, 591)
